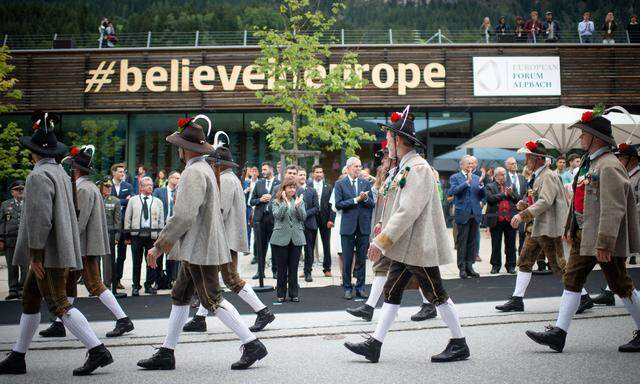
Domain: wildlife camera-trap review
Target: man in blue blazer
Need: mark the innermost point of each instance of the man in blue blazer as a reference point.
(167, 195)
(353, 198)
(468, 192)
(312, 208)
(123, 191)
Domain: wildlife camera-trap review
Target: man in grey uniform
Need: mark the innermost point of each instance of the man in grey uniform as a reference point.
(9, 223)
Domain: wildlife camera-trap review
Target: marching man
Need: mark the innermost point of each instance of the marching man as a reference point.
(195, 236)
(544, 209)
(235, 228)
(413, 236)
(602, 228)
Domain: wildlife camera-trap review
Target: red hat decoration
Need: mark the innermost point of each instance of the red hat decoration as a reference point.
(531, 145)
(74, 151)
(395, 116)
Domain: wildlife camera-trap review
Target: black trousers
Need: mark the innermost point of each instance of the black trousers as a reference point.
(310, 235)
(325, 235)
(122, 254)
(140, 245)
(466, 244)
(288, 259)
(264, 229)
(504, 230)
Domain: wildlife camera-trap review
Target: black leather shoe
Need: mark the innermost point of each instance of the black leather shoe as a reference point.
(511, 270)
(12, 296)
(585, 303)
(632, 346)
(251, 352)
(13, 364)
(348, 295)
(495, 270)
(162, 360)
(632, 260)
(514, 304)
(364, 312)
(254, 260)
(472, 273)
(552, 337)
(265, 316)
(123, 326)
(362, 294)
(197, 324)
(96, 357)
(605, 298)
(456, 350)
(369, 348)
(308, 278)
(543, 269)
(150, 290)
(56, 329)
(427, 311)
(135, 291)
(463, 275)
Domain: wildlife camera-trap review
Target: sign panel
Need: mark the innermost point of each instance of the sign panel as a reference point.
(516, 76)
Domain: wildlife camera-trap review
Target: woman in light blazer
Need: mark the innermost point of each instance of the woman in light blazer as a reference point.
(288, 238)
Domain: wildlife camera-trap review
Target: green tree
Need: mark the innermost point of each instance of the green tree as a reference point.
(293, 61)
(14, 161)
(102, 134)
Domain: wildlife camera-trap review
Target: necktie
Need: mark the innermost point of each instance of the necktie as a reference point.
(145, 208)
(268, 186)
(353, 184)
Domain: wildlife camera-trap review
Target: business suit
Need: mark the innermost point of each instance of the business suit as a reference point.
(249, 210)
(325, 214)
(263, 219)
(520, 185)
(312, 207)
(500, 224)
(355, 229)
(10, 212)
(286, 243)
(167, 196)
(468, 215)
(124, 192)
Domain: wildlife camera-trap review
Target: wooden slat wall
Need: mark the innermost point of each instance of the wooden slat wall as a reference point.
(55, 80)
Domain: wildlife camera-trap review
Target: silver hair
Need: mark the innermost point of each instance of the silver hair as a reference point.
(351, 161)
(499, 170)
(465, 158)
(146, 178)
(509, 159)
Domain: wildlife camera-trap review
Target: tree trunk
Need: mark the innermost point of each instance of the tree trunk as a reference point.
(294, 131)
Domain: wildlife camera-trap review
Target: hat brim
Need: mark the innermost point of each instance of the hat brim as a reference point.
(59, 150)
(588, 129)
(17, 187)
(526, 151)
(415, 140)
(74, 165)
(177, 140)
(225, 163)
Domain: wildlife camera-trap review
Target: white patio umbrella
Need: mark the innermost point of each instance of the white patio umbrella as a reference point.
(551, 124)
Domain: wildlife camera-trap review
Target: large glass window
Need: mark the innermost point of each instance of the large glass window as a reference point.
(107, 132)
(484, 120)
(448, 124)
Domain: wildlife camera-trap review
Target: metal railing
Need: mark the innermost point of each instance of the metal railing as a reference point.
(334, 37)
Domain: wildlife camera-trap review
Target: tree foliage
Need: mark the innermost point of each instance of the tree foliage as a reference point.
(100, 132)
(292, 60)
(14, 161)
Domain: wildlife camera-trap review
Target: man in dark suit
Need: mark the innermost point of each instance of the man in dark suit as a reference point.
(326, 216)
(353, 198)
(247, 185)
(168, 197)
(123, 191)
(519, 184)
(263, 222)
(501, 207)
(312, 207)
(468, 192)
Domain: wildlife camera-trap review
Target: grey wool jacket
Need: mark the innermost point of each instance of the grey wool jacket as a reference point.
(233, 211)
(92, 219)
(195, 232)
(49, 227)
(289, 223)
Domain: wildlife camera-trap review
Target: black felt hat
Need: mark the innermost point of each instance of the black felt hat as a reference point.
(81, 158)
(43, 141)
(594, 123)
(402, 124)
(191, 136)
(625, 149)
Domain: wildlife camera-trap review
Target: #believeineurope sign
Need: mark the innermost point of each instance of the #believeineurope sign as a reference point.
(516, 76)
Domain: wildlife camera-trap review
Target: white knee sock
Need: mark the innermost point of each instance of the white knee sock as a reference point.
(78, 325)
(377, 286)
(230, 317)
(28, 327)
(202, 311)
(584, 292)
(424, 299)
(388, 314)
(177, 319)
(568, 307)
(70, 300)
(249, 296)
(633, 307)
(450, 317)
(110, 302)
(522, 282)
